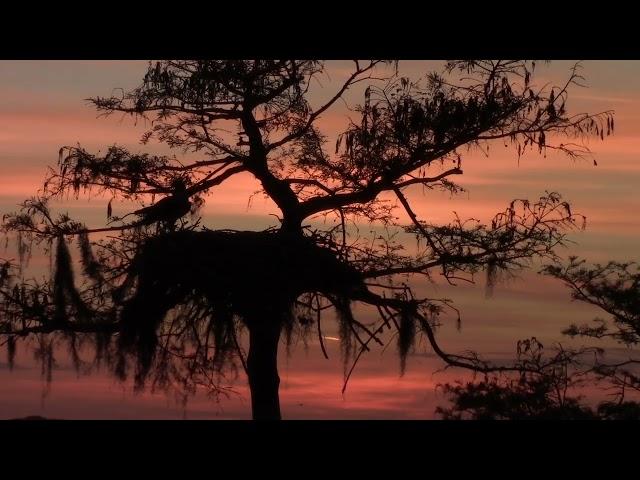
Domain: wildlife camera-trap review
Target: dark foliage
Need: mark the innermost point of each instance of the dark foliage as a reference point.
(614, 288)
(175, 296)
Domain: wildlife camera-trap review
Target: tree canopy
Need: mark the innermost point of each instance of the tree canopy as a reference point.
(174, 295)
(547, 386)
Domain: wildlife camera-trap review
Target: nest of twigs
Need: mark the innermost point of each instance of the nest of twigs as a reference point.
(253, 276)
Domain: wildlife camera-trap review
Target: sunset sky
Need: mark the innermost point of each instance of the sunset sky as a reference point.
(43, 107)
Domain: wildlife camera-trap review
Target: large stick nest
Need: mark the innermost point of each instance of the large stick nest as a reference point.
(256, 276)
(250, 273)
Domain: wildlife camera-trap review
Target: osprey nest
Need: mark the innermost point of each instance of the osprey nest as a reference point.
(254, 275)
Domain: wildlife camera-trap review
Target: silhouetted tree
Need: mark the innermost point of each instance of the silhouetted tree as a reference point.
(615, 289)
(176, 295)
(532, 398)
(540, 390)
(543, 387)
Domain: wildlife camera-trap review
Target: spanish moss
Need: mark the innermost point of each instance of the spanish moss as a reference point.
(406, 336)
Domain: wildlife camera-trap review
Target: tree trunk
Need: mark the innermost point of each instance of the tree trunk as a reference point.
(262, 369)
